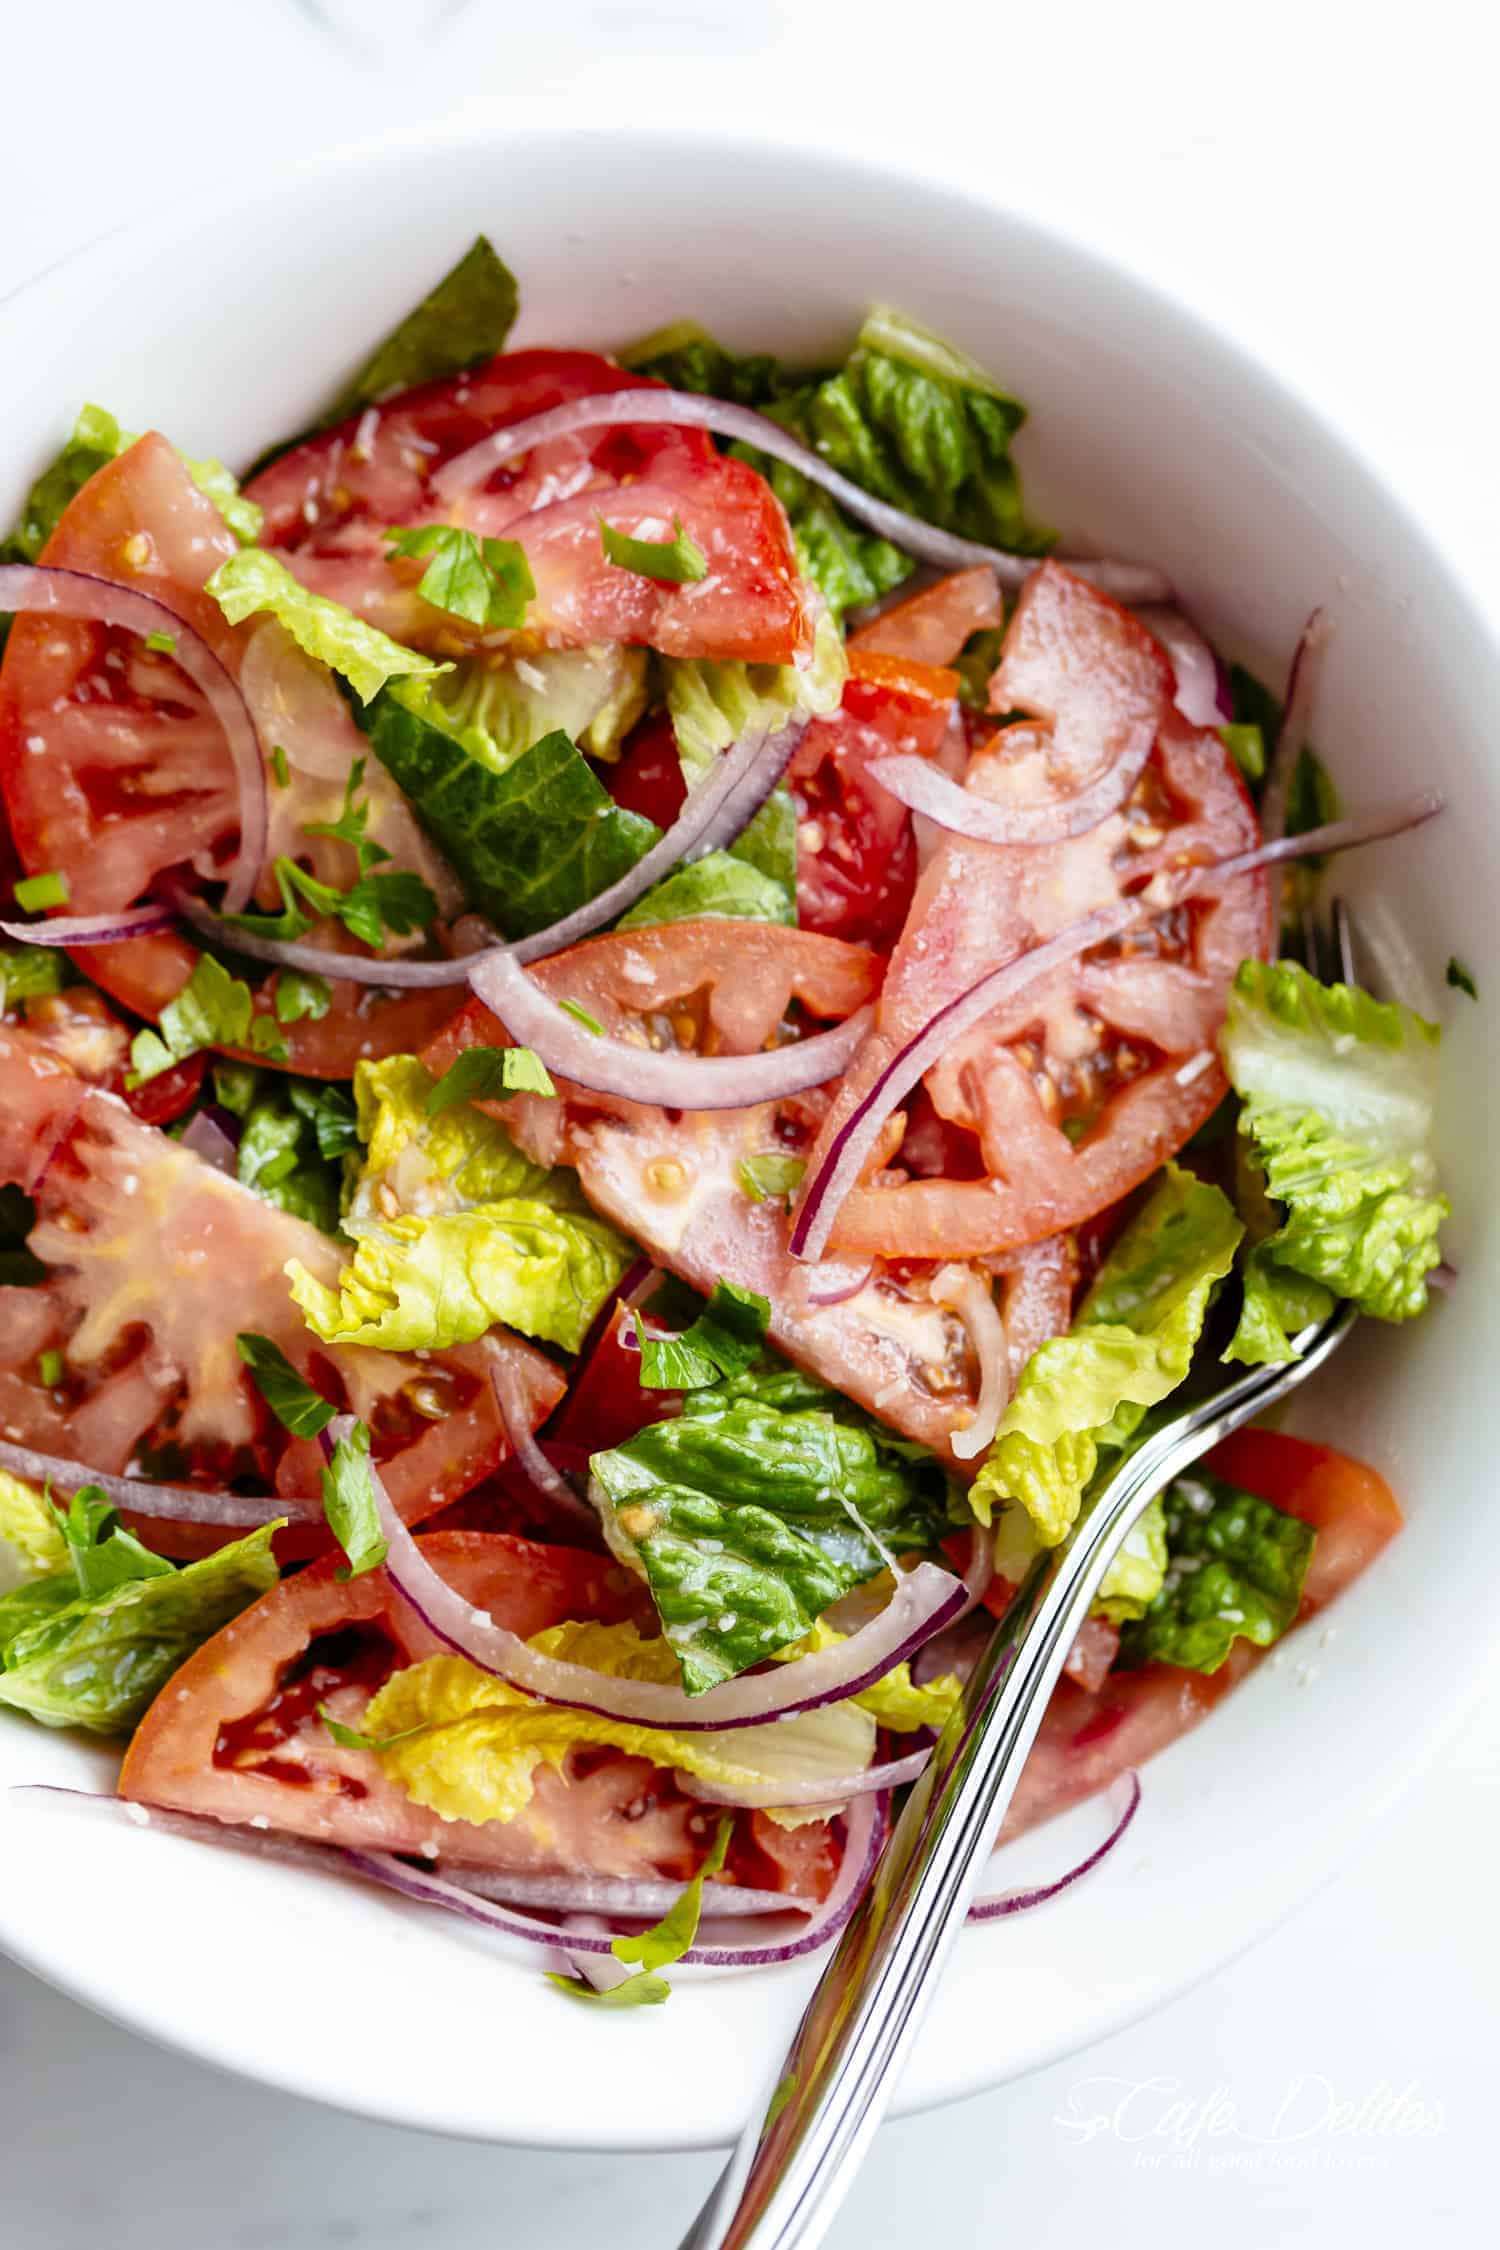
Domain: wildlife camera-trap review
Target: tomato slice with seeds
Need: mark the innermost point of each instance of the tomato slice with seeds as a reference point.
(329, 502)
(115, 772)
(155, 1263)
(1081, 1087)
(856, 860)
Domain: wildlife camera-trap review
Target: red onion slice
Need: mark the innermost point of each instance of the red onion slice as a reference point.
(925, 1600)
(919, 784)
(323, 960)
(208, 1139)
(971, 1297)
(547, 1480)
(174, 1503)
(1000, 1903)
(834, 1284)
(640, 1074)
(824, 1191)
(1202, 688)
(835, 1793)
(624, 1898)
(77, 593)
(92, 929)
(980, 1571)
(717, 810)
(686, 409)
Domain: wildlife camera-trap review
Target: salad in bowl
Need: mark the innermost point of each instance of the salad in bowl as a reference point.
(643, 1030)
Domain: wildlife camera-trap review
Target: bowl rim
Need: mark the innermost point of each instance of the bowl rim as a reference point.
(1297, 401)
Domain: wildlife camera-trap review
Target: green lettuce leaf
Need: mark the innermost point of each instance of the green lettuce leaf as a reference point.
(482, 1074)
(254, 581)
(31, 972)
(454, 1230)
(1235, 1571)
(462, 321)
(1130, 1347)
(422, 1284)
(1339, 1094)
(497, 710)
(719, 884)
(281, 1155)
(98, 439)
(768, 1498)
(31, 1544)
(101, 1553)
(97, 1661)
(529, 844)
(487, 582)
(712, 705)
(349, 1505)
(726, 1339)
(657, 1948)
(295, 1404)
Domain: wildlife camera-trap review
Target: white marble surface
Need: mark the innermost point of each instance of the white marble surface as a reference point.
(1326, 176)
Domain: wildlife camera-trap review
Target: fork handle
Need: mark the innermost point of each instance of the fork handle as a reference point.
(800, 2152)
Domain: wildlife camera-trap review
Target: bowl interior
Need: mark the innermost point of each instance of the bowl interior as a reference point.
(1151, 436)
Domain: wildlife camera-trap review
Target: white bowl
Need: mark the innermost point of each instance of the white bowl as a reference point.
(227, 325)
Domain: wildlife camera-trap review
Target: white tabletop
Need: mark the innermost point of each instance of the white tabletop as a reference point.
(1328, 175)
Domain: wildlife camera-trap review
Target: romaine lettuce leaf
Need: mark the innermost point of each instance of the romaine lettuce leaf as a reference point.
(725, 1340)
(96, 440)
(1338, 1094)
(31, 1545)
(98, 1661)
(213, 1009)
(720, 884)
(1235, 1570)
(529, 844)
(768, 1498)
(478, 1743)
(425, 1162)
(101, 1553)
(463, 320)
(280, 1155)
(254, 581)
(712, 705)
(422, 1284)
(1130, 1346)
(895, 1701)
(499, 709)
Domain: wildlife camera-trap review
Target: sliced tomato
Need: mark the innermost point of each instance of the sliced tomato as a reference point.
(329, 502)
(931, 627)
(82, 1030)
(156, 1262)
(1086, 1739)
(856, 861)
(606, 1403)
(1081, 1087)
(114, 771)
(676, 1185)
(803, 1860)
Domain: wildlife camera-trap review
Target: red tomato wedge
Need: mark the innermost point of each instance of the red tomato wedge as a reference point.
(114, 771)
(330, 501)
(931, 627)
(676, 1184)
(1087, 1739)
(236, 1734)
(156, 1262)
(1081, 1087)
(856, 861)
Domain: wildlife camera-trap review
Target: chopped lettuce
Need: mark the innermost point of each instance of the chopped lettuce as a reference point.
(31, 1544)
(1235, 1571)
(254, 581)
(295, 1404)
(498, 709)
(725, 1340)
(718, 885)
(349, 1506)
(462, 321)
(468, 1747)
(101, 1553)
(455, 1230)
(1130, 1346)
(96, 440)
(482, 1074)
(487, 582)
(32, 972)
(908, 417)
(97, 1660)
(280, 1155)
(894, 1701)
(424, 1284)
(529, 844)
(712, 705)
(768, 1498)
(1338, 1094)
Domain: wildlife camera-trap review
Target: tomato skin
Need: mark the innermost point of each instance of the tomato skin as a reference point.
(803, 1860)
(168, 1096)
(606, 1403)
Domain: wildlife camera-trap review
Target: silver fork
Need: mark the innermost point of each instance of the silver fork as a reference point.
(806, 2139)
